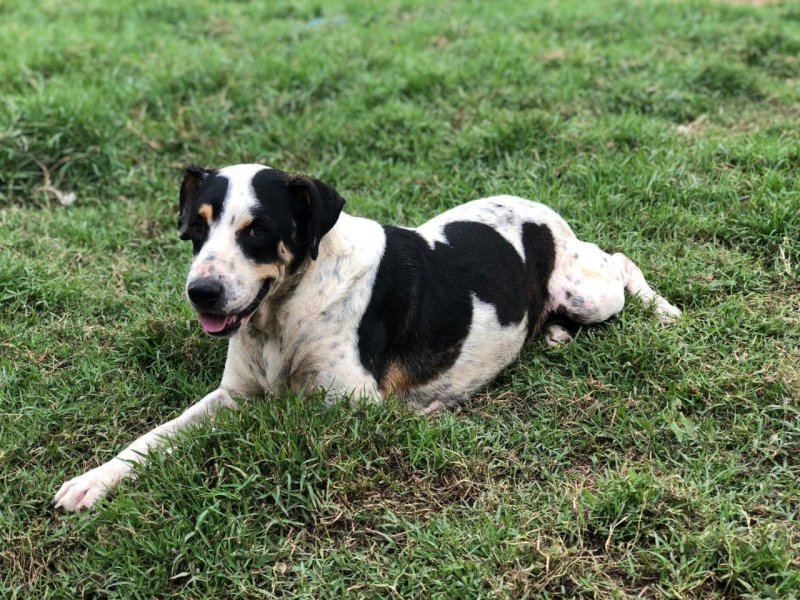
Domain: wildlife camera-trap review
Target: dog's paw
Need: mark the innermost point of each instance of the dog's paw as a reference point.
(667, 313)
(83, 491)
(557, 335)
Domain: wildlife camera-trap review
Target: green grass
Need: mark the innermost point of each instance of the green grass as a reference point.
(640, 460)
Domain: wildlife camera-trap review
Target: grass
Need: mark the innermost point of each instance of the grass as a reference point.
(638, 461)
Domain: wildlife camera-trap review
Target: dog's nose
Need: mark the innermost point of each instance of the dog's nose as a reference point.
(205, 292)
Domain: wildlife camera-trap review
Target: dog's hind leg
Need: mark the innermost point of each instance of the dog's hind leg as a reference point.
(636, 284)
(555, 334)
(589, 285)
(85, 490)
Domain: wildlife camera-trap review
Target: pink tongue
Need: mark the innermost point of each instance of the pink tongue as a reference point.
(212, 323)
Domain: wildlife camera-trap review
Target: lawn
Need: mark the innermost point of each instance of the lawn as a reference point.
(641, 460)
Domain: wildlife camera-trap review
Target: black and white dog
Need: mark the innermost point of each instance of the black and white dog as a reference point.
(311, 297)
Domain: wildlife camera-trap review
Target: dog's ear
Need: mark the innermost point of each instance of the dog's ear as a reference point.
(322, 205)
(192, 179)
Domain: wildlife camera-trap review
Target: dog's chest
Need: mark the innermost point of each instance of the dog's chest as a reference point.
(255, 362)
(311, 337)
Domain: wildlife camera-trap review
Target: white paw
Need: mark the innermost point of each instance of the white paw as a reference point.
(557, 335)
(667, 313)
(83, 491)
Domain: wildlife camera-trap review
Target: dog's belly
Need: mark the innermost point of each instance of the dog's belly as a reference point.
(488, 348)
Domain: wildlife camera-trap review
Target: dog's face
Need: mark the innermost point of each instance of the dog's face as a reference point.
(251, 228)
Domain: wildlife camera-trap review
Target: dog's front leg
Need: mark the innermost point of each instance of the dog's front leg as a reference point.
(85, 490)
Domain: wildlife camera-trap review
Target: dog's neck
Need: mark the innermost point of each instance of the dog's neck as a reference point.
(266, 319)
(269, 319)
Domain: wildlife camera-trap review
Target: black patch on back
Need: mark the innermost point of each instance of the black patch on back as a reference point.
(420, 311)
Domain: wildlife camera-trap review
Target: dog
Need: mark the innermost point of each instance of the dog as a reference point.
(311, 297)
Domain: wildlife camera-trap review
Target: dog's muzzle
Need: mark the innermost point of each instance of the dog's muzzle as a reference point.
(219, 323)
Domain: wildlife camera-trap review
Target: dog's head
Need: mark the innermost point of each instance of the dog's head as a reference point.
(251, 228)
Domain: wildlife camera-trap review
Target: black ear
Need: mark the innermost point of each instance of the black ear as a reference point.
(324, 204)
(192, 179)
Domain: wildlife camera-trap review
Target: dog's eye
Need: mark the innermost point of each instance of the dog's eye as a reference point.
(257, 231)
(199, 228)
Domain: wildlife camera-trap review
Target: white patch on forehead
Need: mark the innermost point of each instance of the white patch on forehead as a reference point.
(242, 172)
(240, 196)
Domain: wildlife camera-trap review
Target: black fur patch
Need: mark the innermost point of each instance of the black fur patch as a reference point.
(284, 217)
(212, 191)
(273, 214)
(420, 311)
